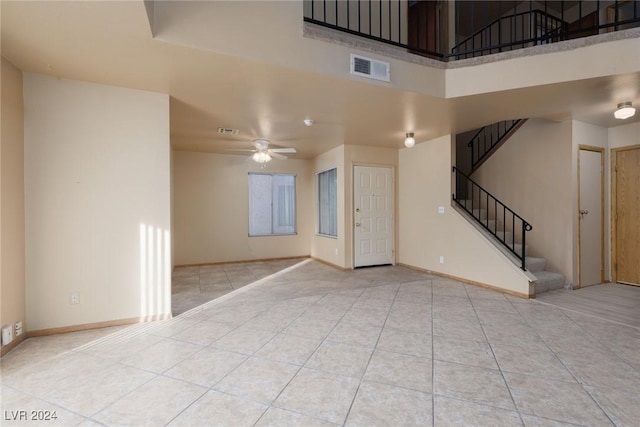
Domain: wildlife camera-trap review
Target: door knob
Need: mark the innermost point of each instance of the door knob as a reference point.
(584, 211)
(357, 224)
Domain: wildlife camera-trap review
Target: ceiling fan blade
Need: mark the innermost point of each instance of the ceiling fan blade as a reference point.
(240, 150)
(283, 150)
(276, 155)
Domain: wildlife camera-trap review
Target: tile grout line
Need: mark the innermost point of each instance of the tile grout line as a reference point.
(248, 357)
(433, 366)
(203, 348)
(310, 356)
(582, 385)
(578, 382)
(355, 395)
(504, 380)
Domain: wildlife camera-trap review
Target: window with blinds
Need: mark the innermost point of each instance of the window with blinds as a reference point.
(328, 203)
(272, 204)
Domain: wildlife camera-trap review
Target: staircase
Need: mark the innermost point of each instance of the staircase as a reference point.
(545, 280)
(505, 228)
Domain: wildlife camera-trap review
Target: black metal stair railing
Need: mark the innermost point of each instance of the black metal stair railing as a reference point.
(492, 214)
(488, 137)
(516, 31)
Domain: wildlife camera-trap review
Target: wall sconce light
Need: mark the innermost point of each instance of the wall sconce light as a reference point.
(409, 141)
(624, 111)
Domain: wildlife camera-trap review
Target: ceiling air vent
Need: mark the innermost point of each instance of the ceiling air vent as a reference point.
(227, 131)
(371, 68)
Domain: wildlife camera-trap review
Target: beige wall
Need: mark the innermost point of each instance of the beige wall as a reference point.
(213, 24)
(425, 234)
(97, 202)
(12, 262)
(622, 136)
(532, 174)
(614, 57)
(211, 205)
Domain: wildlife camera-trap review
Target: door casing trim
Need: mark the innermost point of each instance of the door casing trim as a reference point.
(613, 152)
(602, 211)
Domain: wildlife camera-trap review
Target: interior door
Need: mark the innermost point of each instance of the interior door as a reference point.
(373, 216)
(626, 189)
(591, 215)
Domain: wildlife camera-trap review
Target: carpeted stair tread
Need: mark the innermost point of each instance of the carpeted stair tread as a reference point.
(534, 264)
(547, 281)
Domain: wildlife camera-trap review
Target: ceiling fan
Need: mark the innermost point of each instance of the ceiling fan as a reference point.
(263, 154)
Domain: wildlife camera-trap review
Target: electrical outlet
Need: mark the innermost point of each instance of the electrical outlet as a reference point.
(75, 297)
(441, 259)
(18, 328)
(440, 209)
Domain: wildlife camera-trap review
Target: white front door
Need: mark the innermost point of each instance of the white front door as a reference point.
(373, 216)
(590, 212)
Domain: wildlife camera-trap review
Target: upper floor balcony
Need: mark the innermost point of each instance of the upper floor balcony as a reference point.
(448, 30)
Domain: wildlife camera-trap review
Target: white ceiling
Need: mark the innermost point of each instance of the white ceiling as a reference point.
(111, 43)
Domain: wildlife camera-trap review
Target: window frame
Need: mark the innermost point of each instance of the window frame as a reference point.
(272, 213)
(320, 232)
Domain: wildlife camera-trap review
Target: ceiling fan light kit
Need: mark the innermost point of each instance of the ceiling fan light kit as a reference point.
(261, 157)
(261, 153)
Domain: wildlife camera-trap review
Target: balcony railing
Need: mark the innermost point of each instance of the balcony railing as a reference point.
(482, 28)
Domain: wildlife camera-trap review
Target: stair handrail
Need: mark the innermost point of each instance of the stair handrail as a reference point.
(478, 156)
(484, 194)
(532, 37)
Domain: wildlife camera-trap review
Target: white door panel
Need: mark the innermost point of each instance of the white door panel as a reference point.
(373, 216)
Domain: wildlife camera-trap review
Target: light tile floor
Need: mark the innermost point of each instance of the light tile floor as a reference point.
(314, 346)
(194, 286)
